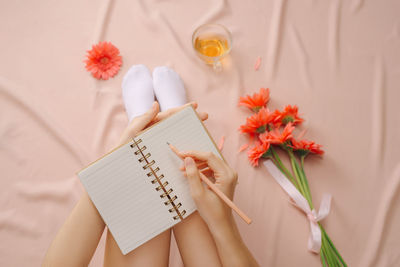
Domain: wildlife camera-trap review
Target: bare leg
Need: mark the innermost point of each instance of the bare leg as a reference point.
(78, 238)
(152, 253)
(195, 242)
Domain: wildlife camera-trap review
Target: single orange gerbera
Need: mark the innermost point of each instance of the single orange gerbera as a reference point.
(103, 60)
(277, 137)
(304, 147)
(257, 152)
(257, 101)
(289, 114)
(257, 123)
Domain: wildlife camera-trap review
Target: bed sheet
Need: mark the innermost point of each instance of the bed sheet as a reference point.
(339, 61)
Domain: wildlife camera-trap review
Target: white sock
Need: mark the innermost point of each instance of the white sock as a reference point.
(137, 91)
(168, 88)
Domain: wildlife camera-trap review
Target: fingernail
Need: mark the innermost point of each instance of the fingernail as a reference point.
(189, 161)
(154, 105)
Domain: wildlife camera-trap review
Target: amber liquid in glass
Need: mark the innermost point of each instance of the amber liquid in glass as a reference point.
(214, 46)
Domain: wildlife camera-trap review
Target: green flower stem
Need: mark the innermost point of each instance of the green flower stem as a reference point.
(324, 256)
(326, 252)
(295, 171)
(303, 174)
(277, 164)
(330, 258)
(302, 161)
(332, 246)
(304, 180)
(333, 255)
(282, 167)
(323, 259)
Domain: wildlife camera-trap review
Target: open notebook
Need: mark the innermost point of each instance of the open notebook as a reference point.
(138, 188)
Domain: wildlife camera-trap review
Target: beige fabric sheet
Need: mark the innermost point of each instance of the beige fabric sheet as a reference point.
(339, 61)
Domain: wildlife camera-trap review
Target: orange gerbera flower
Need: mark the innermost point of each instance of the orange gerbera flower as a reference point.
(257, 152)
(257, 123)
(103, 60)
(257, 101)
(289, 114)
(304, 147)
(275, 117)
(277, 137)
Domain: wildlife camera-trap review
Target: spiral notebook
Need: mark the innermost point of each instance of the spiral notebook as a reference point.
(138, 188)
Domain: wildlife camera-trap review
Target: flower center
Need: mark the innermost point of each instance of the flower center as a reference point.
(257, 108)
(104, 60)
(261, 129)
(302, 152)
(287, 119)
(267, 153)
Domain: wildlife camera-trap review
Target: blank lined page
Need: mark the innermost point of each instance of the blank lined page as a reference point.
(125, 198)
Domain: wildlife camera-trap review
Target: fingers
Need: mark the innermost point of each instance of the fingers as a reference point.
(193, 176)
(214, 162)
(140, 122)
(162, 115)
(200, 165)
(203, 115)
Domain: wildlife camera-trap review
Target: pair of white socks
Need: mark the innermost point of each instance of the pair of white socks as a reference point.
(140, 88)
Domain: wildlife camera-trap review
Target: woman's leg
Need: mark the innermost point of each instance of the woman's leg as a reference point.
(77, 240)
(152, 253)
(195, 242)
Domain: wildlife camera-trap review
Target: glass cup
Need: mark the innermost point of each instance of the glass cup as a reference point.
(212, 42)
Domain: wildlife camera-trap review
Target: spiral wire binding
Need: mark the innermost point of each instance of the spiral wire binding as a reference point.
(162, 185)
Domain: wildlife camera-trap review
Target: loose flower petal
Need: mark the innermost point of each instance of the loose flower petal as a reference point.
(243, 148)
(301, 134)
(258, 63)
(221, 143)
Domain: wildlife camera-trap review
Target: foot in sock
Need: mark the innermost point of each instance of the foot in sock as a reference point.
(137, 91)
(168, 88)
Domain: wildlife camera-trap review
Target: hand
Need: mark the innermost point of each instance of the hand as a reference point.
(152, 116)
(213, 210)
(232, 250)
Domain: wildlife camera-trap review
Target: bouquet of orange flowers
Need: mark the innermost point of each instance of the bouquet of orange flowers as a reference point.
(270, 131)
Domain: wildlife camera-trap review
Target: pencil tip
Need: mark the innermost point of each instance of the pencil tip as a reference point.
(167, 143)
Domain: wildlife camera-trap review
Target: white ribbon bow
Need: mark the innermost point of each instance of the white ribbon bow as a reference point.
(314, 241)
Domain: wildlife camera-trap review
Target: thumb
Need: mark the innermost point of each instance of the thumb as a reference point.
(141, 121)
(196, 188)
